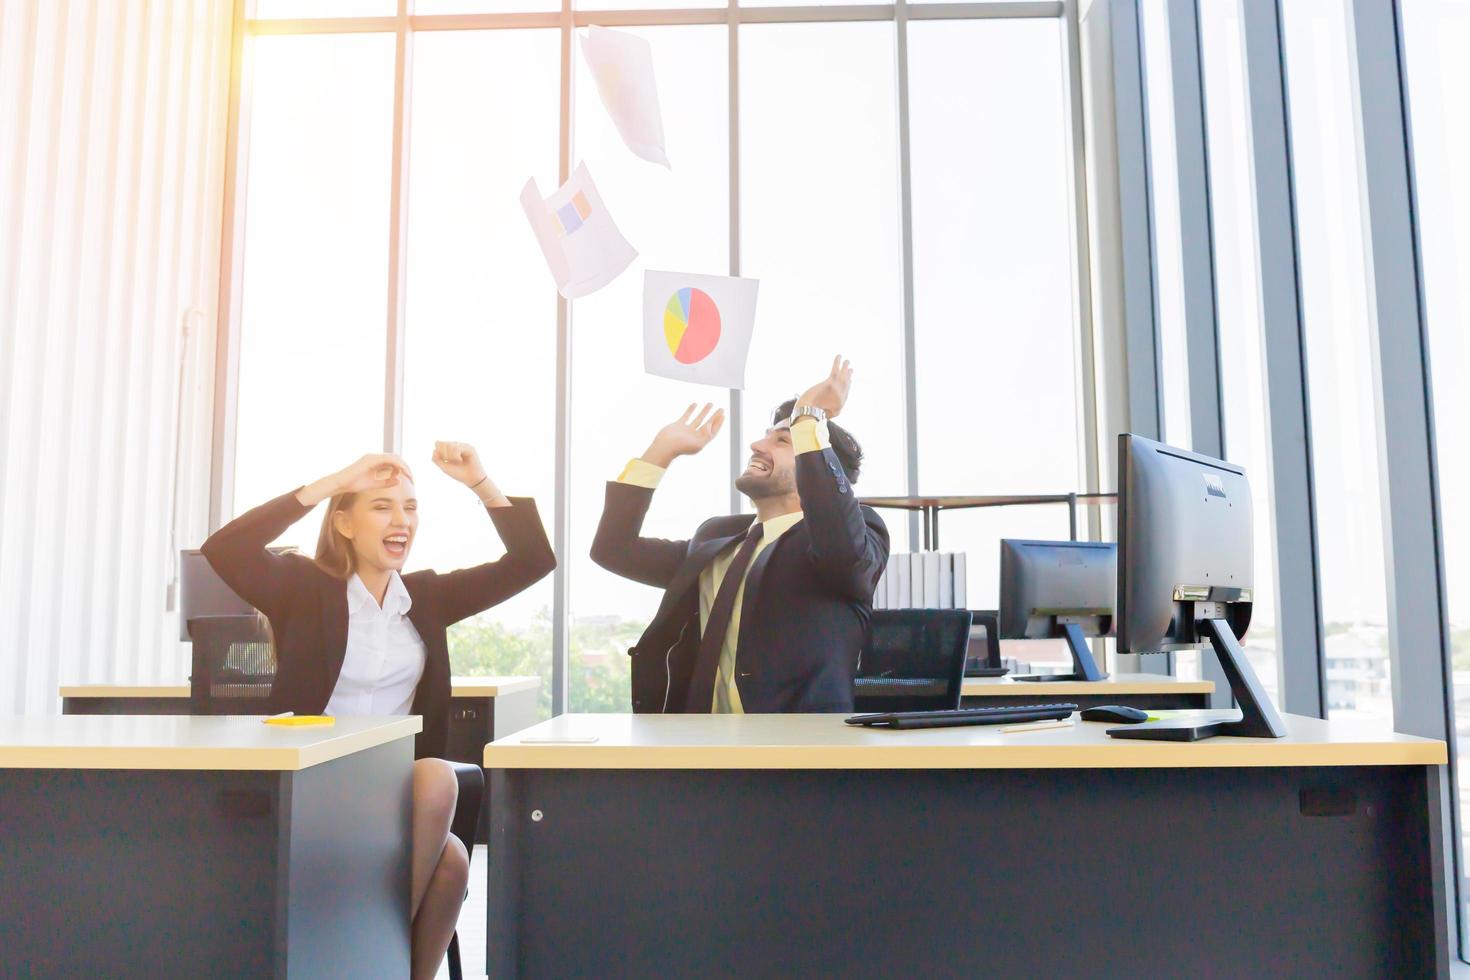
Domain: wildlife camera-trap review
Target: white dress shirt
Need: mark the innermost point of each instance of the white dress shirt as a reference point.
(385, 654)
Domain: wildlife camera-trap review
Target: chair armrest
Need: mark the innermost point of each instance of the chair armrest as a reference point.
(990, 619)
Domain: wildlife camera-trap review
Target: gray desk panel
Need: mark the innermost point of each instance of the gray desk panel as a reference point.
(1007, 873)
(150, 874)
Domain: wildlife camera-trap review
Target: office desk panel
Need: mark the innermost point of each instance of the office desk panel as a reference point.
(176, 846)
(481, 709)
(795, 845)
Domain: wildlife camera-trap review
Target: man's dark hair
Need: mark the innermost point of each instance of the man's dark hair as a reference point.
(849, 453)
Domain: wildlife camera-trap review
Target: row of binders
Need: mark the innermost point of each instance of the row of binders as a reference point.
(927, 580)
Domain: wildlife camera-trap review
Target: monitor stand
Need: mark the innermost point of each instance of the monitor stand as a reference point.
(1258, 717)
(1084, 668)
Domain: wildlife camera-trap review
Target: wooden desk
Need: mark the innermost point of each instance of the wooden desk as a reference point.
(1136, 690)
(481, 709)
(796, 845)
(178, 846)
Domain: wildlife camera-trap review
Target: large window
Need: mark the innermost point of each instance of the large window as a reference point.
(1227, 126)
(819, 228)
(312, 336)
(1164, 222)
(809, 172)
(1334, 297)
(1436, 34)
(479, 335)
(678, 219)
(994, 316)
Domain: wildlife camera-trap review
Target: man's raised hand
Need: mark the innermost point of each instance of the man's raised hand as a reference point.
(830, 394)
(686, 435)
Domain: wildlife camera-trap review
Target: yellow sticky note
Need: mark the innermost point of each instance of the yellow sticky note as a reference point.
(302, 720)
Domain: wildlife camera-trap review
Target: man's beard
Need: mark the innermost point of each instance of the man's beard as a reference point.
(763, 487)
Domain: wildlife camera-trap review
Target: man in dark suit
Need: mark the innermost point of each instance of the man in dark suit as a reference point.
(758, 615)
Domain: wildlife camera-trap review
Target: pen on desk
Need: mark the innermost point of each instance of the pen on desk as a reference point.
(1037, 726)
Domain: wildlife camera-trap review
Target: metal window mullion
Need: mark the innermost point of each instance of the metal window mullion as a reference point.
(226, 394)
(1418, 622)
(561, 523)
(1197, 260)
(906, 266)
(1298, 595)
(1135, 213)
(323, 25)
(1086, 356)
(794, 14)
(398, 235)
(1145, 413)
(734, 422)
(1084, 362)
(1201, 321)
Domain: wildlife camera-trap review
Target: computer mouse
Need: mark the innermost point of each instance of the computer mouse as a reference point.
(1114, 712)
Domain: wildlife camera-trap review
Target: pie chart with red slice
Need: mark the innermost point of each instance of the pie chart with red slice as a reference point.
(691, 325)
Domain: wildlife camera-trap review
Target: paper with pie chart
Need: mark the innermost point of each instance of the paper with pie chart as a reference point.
(583, 247)
(697, 328)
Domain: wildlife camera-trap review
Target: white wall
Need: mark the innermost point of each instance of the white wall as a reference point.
(112, 134)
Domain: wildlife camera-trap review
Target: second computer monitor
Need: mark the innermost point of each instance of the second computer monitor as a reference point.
(1062, 590)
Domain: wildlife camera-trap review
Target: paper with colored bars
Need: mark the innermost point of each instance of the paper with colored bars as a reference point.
(583, 247)
(622, 66)
(697, 328)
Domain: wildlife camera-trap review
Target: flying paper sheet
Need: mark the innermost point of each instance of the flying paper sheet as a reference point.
(622, 65)
(582, 245)
(697, 328)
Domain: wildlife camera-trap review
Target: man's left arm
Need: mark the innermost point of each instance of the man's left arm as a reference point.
(849, 543)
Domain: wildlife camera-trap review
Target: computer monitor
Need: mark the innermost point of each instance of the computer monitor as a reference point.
(203, 593)
(1058, 589)
(1186, 571)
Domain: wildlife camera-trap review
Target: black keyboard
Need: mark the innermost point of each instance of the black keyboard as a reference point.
(963, 716)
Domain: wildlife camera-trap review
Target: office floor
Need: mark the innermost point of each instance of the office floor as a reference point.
(472, 922)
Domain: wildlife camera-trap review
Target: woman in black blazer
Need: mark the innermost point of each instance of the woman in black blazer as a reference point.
(352, 636)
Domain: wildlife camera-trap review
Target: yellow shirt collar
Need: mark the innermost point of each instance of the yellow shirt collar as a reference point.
(777, 526)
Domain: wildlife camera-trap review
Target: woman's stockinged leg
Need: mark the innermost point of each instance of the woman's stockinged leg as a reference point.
(435, 793)
(438, 915)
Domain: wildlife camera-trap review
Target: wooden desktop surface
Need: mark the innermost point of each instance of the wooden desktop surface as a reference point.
(218, 742)
(1121, 684)
(461, 687)
(824, 742)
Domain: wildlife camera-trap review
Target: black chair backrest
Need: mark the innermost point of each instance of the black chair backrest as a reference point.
(234, 665)
(914, 660)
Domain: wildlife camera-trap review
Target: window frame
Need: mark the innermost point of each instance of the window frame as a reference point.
(405, 25)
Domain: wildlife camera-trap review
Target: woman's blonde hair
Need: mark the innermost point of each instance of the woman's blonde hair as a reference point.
(334, 554)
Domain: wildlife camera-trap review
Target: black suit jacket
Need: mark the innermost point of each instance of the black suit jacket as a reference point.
(807, 601)
(307, 608)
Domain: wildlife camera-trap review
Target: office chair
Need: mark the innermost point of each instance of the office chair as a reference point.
(914, 660)
(233, 665)
(986, 653)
